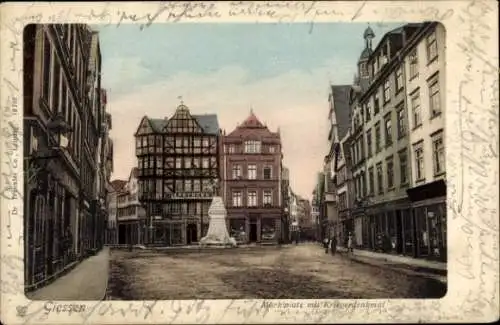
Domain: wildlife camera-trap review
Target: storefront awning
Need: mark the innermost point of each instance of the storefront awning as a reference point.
(427, 191)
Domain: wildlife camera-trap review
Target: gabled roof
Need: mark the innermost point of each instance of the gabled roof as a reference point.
(253, 127)
(252, 122)
(340, 97)
(157, 124)
(208, 122)
(118, 184)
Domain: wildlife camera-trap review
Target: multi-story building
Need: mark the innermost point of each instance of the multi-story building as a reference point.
(424, 73)
(285, 196)
(339, 121)
(62, 125)
(130, 215)
(319, 206)
(178, 160)
(252, 181)
(391, 80)
(305, 219)
(344, 188)
(114, 188)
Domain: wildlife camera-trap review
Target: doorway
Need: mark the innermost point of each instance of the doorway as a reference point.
(191, 233)
(399, 232)
(252, 236)
(122, 234)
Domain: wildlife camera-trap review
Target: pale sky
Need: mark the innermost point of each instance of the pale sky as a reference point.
(282, 71)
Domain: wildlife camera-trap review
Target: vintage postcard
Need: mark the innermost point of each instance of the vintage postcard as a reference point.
(249, 162)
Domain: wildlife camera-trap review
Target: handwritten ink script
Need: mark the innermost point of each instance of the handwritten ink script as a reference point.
(475, 203)
(12, 266)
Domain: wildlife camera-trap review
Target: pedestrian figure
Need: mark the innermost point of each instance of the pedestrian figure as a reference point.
(333, 245)
(325, 244)
(349, 244)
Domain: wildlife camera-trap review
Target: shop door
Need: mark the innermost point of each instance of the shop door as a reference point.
(191, 232)
(253, 233)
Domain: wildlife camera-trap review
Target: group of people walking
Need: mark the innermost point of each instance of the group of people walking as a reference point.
(331, 244)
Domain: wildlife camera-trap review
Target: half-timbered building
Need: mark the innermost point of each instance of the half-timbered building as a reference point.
(177, 162)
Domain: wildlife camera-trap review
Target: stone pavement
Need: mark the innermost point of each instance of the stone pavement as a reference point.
(433, 269)
(87, 281)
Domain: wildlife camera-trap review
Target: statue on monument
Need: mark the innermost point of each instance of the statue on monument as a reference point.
(217, 234)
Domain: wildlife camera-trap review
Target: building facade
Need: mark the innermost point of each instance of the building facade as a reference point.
(63, 115)
(344, 187)
(114, 188)
(178, 160)
(130, 215)
(285, 196)
(424, 67)
(397, 202)
(251, 188)
(339, 123)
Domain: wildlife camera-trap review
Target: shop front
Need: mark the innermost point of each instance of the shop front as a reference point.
(238, 229)
(429, 214)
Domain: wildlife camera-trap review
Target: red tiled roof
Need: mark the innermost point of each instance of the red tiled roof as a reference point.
(252, 122)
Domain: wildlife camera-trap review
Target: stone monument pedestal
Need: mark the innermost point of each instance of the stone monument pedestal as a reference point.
(217, 234)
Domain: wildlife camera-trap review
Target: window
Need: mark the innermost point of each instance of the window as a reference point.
(252, 172)
(187, 162)
(252, 146)
(377, 104)
(390, 172)
(432, 50)
(387, 90)
(236, 171)
(377, 137)
(272, 149)
(415, 110)
(413, 58)
(187, 185)
(267, 197)
(369, 143)
(178, 163)
(252, 199)
(196, 185)
(418, 149)
(380, 179)
(267, 172)
(47, 67)
(236, 199)
(401, 121)
(388, 130)
(231, 148)
(371, 181)
(403, 167)
(196, 142)
(434, 100)
(438, 154)
(399, 79)
(368, 109)
(205, 163)
(56, 86)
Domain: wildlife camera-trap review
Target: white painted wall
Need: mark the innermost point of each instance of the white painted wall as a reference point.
(429, 126)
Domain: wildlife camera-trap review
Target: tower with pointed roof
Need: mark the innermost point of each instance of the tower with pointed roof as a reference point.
(251, 187)
(363, 72)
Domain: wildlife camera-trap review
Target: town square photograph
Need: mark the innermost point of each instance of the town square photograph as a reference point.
(235, 161)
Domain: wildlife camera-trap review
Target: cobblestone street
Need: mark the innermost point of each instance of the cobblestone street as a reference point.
(296, 272)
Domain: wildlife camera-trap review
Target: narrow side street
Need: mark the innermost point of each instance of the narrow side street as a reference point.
(290, 272)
